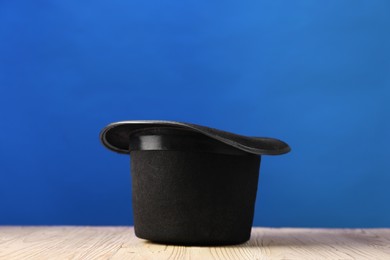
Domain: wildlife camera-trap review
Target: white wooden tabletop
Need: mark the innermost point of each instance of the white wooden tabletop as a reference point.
(65, 242)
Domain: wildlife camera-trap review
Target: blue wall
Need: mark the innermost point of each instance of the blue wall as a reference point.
(313, 73)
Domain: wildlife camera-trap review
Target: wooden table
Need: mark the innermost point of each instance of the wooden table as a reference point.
(65, 242)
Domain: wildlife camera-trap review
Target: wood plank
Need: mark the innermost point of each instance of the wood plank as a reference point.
(65, 242)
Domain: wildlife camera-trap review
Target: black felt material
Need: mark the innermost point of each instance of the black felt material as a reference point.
(193, 198)
(191, 185)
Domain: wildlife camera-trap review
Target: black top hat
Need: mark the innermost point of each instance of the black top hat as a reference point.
(191, 184)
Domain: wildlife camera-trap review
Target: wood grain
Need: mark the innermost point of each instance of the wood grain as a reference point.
(120, 243)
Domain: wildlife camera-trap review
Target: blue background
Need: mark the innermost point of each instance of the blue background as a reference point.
(313, 73)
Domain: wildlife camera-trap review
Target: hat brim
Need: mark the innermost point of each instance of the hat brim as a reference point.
(115, 137)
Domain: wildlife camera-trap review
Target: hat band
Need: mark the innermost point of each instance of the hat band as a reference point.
(193, 143)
